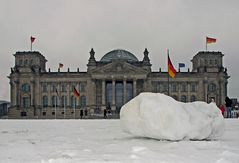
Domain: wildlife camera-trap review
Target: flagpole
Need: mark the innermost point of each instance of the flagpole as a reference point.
(31, 45)
(64, 107)
(168, 74)
(206, 43)
(75, 109)
(168, 84)
(55, 107)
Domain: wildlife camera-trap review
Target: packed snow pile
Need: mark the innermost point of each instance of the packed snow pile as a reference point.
(159, 116)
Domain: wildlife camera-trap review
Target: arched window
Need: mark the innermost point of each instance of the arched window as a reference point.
(63, 101)
(193, 98)
(212, 87)
(82, 101)
(73, 101)
(45, 101)
(26, 87)
(184, 98)
(53, 101)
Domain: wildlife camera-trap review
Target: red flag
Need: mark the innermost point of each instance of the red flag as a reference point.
(32, 39)
(171, 70)
(76, 94)
(60, 65)
(210, 40)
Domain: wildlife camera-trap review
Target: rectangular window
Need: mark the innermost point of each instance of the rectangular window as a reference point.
(193, 87)
(165, 88)
(20, 62)
(53, 87)
(174, 88)
(82, 87)
(44, 87)
(154, 84)
(158, 87)
(184, 88)
(63, 88)
(72, 88)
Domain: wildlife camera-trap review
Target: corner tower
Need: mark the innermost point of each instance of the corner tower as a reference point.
(24, 83)
(206, 61)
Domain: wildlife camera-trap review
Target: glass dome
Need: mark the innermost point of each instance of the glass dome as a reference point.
(119, 54)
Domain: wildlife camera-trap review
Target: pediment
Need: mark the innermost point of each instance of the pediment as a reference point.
(119, 67)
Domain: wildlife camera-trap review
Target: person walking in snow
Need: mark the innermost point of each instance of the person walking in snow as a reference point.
(228, 107)
(81, 114)
(105, 113)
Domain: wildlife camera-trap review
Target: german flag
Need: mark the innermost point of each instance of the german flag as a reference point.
(171, 70)
(210, 40)
(76, 94)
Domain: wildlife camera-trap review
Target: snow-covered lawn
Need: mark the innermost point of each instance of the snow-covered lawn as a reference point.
(104, 141)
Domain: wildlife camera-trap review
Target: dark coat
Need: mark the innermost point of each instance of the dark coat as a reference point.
(228, 102)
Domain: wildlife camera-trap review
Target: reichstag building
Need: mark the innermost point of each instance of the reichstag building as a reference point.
(108, 83)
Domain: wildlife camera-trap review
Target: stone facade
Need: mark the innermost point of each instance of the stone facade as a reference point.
(108, 83)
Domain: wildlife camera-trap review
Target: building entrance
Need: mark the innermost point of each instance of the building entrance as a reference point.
(123, 92)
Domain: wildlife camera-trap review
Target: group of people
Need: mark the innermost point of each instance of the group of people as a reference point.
(227, 108)
(82, 113)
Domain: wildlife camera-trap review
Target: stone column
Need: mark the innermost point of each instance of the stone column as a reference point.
(113, 94)
(124, 91)
(188, 92)
(78, 85)
(32, 93)
(134, 87)
(221, 93)
(49, 95)
(68, 97)
(17, 97)
(179, 91)
(12, 93)
(103, 94)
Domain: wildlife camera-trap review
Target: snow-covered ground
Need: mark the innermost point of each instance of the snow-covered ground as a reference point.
(103, 141)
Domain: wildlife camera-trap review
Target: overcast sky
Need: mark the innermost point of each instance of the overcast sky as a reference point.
(66, 30)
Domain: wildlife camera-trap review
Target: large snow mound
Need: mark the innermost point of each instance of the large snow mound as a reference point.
(159, 116)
